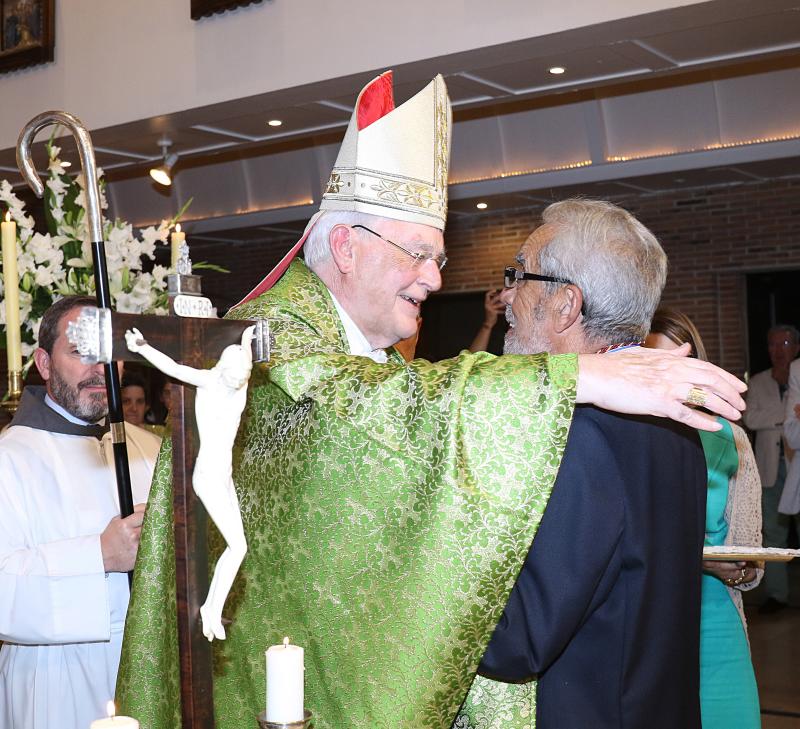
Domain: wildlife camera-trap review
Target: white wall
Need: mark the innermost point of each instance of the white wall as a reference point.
(122, 60)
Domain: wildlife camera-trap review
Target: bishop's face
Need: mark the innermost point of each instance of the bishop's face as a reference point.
(388, 286)
(79, 388)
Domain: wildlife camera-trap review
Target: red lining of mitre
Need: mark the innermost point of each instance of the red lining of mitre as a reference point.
(376, 100)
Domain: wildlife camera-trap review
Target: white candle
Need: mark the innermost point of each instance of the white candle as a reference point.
(8, 233)
(113, 721)
(175, 242)
(285, 683)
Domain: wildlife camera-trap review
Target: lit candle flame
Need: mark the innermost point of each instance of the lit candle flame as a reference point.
(111, 709)
(178, 228)
(285, 642)
(8, 216)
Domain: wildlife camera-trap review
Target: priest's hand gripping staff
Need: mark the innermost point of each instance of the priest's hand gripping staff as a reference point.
(94, 224)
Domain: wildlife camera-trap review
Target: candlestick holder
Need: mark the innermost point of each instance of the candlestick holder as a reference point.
(11, 403)
(304, 723)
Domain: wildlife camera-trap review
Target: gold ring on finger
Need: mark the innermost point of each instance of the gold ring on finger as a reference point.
(697, 396)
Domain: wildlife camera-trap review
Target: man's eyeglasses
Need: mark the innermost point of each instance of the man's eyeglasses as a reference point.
(419, 258)
(511, 275)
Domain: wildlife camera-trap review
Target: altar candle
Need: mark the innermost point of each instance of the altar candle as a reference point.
(285, 683)
(113, 721)
(8, 233)
(175, 242)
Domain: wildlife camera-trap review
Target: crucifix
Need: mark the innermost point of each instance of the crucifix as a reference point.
(190, 337)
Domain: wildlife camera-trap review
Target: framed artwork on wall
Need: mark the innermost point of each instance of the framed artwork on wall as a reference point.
(202, 8)
(27, 35)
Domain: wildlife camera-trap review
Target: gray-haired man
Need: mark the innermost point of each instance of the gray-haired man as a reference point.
(606, 609)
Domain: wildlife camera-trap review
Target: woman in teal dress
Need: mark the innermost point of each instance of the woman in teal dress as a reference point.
(728, 692)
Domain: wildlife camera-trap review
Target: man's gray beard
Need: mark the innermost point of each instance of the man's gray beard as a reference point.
(69, 397)
(534, 342)
(514, 344)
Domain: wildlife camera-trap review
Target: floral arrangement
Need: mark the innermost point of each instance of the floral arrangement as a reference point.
(59, 263)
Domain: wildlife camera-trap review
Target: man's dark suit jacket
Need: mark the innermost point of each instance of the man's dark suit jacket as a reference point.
(606, 608)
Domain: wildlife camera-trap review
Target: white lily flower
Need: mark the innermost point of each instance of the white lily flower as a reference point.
(41, 261)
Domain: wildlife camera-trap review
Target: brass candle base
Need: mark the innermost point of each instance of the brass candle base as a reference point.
(304, 723)
(11, 403)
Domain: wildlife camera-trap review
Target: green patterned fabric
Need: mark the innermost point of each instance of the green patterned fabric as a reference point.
(388, 509)
(495, 705)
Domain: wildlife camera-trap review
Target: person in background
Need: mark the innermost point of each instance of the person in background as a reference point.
(789, 504)
(766, 406)
(64, 550)
(492, 308)
(728, 691)
(134, 398)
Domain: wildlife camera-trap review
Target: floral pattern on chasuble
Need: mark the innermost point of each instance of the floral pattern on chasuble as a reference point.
(388, 509)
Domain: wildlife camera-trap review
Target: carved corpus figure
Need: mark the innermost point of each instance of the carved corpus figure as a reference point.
(219, 402)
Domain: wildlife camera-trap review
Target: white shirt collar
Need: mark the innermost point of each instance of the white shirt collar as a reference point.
(64, 414)
(356, 340)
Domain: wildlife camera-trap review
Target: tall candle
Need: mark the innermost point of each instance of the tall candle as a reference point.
(113, 721)
(285, 683)
(175, 240)
(8, 234)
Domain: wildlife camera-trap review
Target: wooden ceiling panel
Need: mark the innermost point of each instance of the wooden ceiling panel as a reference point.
(581, 65)
(294, 119)
(731, 38)
(146, 144)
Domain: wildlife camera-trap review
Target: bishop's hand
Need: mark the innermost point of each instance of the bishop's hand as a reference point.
(660, 382)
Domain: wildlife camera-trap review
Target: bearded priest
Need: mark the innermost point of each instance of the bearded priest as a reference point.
(388, 506)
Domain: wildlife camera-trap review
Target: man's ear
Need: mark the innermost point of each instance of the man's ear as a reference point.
(341, 243)
(42, 361)
(569, 308)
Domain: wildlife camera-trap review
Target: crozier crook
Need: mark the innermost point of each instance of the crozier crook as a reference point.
(94, 226)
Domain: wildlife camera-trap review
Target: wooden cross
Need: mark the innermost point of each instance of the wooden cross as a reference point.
(197, 343)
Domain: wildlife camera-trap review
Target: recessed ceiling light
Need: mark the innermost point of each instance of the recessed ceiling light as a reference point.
(274, 122)
(557, 70)
(482, 206)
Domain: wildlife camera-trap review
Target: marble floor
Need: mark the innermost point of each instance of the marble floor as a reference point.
(775, 646)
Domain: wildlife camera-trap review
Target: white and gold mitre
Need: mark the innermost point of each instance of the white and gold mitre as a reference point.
(393, 162)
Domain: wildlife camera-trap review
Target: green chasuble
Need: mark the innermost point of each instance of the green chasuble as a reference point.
(388, 509)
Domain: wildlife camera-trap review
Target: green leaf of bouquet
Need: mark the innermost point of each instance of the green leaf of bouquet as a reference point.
(49, 204)
(205, 265)
(180, 212)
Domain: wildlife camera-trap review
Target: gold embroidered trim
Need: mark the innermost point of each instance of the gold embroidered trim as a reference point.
(334, 184)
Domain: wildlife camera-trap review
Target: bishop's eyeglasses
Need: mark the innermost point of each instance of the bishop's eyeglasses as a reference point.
(419, 257)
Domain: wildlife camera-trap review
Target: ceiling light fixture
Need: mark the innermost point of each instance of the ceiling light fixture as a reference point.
(274, 122)
(557, 70)
(163, 173)
(482, 205)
